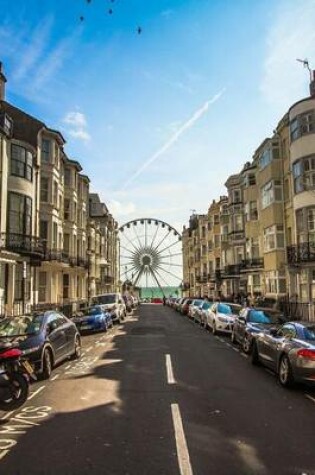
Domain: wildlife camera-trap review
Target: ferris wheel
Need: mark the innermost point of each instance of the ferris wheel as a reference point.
(150, 254)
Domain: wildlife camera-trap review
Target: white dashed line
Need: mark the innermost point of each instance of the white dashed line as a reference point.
(311, 398)
(169, 370)
(236, 349)
(229, 345)
(36, 392)
(181, 444)
(55, 377)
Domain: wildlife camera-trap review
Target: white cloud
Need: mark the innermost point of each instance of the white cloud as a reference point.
(120, 209)
(291, 36)
(78, 125)
(76, 119)
(80, 134)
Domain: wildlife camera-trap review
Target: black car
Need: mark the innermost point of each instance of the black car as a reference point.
(252, 321)
(46, 339)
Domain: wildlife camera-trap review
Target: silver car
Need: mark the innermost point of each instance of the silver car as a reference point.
(289, 351)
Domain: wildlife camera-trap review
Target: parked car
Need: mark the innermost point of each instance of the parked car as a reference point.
(204, 312)
(221, 316)
(114, 303)
(94, 319)
(46, 338)
(252, 321)
(289, 351)
(178, 304)
(193, 307)
(185, 306)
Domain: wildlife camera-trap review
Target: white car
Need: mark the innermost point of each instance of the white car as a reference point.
(193, 308)
(221, 316)
(114, 303)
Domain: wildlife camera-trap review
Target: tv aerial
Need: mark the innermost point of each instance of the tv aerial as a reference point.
(306, 65)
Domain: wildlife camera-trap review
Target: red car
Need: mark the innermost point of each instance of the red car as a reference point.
(156, 300)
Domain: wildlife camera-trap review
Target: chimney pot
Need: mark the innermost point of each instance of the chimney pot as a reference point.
(312, 84)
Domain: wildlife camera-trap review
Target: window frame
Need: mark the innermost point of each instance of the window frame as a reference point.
(26, 164)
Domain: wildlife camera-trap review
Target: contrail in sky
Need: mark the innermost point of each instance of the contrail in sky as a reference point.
(187, 125)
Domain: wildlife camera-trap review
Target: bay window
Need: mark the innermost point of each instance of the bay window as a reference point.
(304, 174)
(302, 124)
(19, 214)
(271, 192)
(273, 238)
(21, 162)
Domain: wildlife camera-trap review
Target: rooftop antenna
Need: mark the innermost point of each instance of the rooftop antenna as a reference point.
(306, 65)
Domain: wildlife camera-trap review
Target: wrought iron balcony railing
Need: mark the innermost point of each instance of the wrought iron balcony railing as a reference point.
(255, 262)
(301, 253)
(31, 246)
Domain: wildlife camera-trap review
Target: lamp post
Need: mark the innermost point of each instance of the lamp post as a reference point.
(88, 253)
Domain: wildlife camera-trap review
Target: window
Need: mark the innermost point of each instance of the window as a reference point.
(273, 238)
(303, 124)
(216, 219)
(46, 150)
(271, 152)
(44, 189)
(203, 231)
(20, 214)
(55, 194)
(66, 243)
(238, 223)
(304, 174)
(216, 240)
(21, 162)
(236, 196)
(66, 210)
(271, 192)
(251, 212)
(66, 285)
(43, 230)
(55, 236)
(67, 176)
(305, 225)
(42, 285)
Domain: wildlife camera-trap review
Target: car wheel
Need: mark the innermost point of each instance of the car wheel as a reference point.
(77, 348)
(255, 355)
(247, 345)
(214, 329)
(47, 364)
(285, 375)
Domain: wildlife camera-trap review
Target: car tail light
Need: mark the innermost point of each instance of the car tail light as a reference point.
(13, 353)
(305, 353)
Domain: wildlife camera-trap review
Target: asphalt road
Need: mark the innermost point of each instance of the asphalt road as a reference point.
(159, 395)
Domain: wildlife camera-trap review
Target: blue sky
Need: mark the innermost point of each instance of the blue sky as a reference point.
(158, 120)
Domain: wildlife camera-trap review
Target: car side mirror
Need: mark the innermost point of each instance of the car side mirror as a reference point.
(242, 320)
(273, 332)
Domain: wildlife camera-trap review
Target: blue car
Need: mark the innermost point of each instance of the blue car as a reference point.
(95, 319)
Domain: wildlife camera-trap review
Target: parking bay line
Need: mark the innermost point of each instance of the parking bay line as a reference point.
(311, 398)
(36, 392)
(169, 370)
(181, 444)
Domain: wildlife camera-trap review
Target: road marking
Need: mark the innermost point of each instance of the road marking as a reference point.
(236, 349)
(217, 337)
(68, 366)
(311, 398)
(229, 345)
(36, 392)
(269, 371)
(7, 415)
(169, 370)
(221, 339)
(243, 354)
(55, 377)
(181, 444)
(3, 454)
(89, 348)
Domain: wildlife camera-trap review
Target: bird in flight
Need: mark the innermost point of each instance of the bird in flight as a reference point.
(139, 30)
(81, 18)
(110, 11)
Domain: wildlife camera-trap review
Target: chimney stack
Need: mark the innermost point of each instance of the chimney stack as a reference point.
(312, 84)
(3, 80)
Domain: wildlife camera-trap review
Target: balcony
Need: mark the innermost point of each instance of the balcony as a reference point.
(56, 255)
(22, 244)
(107, 279)
(233, 270)
(253, 263)
(301, 253)
(202, 279)
(236, 235)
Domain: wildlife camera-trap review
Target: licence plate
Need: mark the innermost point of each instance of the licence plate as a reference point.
(28, 367)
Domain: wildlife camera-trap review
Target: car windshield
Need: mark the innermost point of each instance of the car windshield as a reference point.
(21, 325)
(198, 303)
(228, 309)
(261, 316)
(94, 311)
(206, 305)
(309, 333)
(111, 298)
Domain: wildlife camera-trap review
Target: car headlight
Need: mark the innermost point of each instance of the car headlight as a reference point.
(222, 319)
(30, 350)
